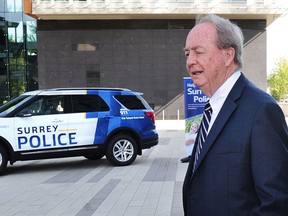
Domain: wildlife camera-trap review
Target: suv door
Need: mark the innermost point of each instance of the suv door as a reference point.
(86, 118)
(42, 124)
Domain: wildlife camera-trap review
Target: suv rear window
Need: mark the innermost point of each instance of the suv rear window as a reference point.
(131, 102)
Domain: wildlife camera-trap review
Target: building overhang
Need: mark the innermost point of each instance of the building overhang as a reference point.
(153, 9)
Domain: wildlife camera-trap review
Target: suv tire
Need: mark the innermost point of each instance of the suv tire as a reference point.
(121, 150)
(3, 159)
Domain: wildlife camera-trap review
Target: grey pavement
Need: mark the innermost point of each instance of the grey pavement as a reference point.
(151, 186)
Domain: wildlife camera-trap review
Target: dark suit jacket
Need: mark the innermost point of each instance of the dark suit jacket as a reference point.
(243, 166)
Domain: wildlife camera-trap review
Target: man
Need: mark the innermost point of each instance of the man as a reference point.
(242, 167)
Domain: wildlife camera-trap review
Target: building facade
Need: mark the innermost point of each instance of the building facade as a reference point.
(18, 51)
(139, 44)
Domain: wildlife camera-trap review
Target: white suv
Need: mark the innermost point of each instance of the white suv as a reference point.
(90, 122)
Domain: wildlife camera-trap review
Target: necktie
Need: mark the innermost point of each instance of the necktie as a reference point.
(203, 131)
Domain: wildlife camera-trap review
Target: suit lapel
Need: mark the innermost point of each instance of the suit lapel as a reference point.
(227, 109)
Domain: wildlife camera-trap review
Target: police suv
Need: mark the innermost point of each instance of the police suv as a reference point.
(89, 122)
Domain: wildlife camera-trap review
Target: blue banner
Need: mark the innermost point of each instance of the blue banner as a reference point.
(194, 102)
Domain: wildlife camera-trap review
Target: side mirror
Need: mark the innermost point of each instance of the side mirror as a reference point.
(23, 114)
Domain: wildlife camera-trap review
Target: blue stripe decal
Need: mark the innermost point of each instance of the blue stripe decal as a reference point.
(101, 131)
(92, 114)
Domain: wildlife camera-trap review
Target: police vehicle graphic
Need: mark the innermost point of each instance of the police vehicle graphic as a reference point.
(63, 122)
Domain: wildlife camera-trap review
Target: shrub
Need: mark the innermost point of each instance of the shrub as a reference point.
(278, 80)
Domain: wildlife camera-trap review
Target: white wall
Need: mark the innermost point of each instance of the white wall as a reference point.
(277, 41)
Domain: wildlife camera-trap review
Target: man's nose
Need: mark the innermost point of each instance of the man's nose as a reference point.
(191, 60)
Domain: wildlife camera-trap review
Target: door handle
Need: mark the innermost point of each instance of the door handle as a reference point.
(57, 120)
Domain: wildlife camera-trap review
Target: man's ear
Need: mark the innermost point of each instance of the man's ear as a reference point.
(230, 54)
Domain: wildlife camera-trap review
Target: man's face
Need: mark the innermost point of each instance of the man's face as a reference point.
(205, 61)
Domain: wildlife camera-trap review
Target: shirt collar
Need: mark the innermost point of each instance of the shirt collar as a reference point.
(219, 97)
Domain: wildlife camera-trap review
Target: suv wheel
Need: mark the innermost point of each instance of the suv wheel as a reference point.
(121, 150)
(3, 159)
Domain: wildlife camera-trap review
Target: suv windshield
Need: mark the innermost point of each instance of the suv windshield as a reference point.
(13, 104)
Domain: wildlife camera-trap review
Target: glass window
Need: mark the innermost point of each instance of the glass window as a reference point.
(52, 105)
(130, 101)
(3, 52)
(13, 104)
(31, 54)
(31, 31)
(45, 105)
(18, 50)
(2, 9)
(3, 60)
(18, 5)
(11, 34)
(14, 5)
(88, 103)
(15, 32)
(16, 54)
(32, 109)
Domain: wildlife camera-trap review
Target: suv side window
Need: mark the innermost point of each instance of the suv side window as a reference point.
(45, 105)
(88, 103)
(53, 105)
(131, 102)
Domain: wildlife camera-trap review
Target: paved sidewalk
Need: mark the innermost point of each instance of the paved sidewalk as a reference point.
(76, 186)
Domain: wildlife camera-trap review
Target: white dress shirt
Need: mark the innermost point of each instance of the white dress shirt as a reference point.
(219, 97)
